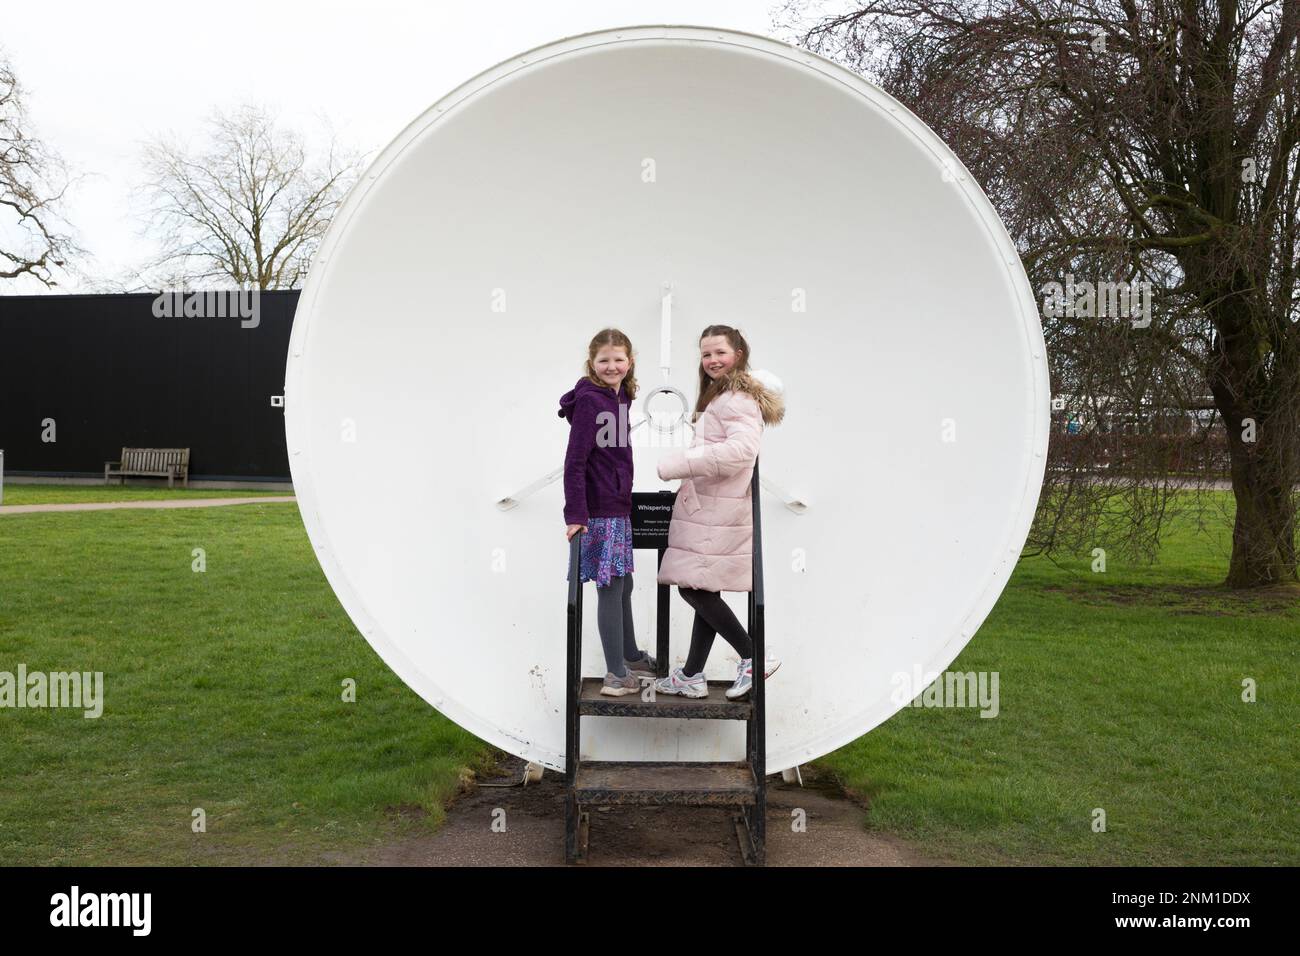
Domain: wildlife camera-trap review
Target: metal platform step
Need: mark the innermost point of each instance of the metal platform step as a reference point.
(619, 783)
(740, 787)
(592, 703)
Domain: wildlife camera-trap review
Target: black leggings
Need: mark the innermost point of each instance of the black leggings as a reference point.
(713, 616)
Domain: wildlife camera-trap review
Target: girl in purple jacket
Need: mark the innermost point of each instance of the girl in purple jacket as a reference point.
(598, 501)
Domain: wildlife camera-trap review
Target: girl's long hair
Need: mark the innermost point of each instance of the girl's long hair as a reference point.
(710, 387)
(615, 338)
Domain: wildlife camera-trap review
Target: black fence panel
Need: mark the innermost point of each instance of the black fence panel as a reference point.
(98, 373)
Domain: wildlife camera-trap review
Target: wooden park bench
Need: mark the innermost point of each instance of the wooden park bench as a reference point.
(169, 463)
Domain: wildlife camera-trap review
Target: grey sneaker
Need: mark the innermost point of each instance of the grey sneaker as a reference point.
(647, 666)
(619, 686)
(678, 682)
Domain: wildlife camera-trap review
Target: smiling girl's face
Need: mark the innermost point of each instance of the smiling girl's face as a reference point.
(611, 364)
(716, 356)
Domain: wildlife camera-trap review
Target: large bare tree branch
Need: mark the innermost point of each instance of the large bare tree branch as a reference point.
(1131, 141)
(33, 182)
(248, 208)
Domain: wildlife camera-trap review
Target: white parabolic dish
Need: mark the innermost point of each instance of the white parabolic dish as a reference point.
(451, 304)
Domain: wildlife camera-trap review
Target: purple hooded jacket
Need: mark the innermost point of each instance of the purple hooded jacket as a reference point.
(598, 462)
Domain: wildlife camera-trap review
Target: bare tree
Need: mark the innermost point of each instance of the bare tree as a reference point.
(1132, 141)
(247, 208)
(33, 181)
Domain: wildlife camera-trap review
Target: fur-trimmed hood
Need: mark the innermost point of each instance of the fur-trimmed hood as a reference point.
(764, 387)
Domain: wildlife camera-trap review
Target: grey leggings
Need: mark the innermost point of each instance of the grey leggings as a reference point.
(614, 620)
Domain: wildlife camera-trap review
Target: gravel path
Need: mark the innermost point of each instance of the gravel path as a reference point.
(150, 503)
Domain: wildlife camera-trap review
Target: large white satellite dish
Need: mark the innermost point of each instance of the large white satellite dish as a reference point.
(660, 179)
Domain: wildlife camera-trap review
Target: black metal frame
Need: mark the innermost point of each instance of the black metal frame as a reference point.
(750, 821)
(755, 816)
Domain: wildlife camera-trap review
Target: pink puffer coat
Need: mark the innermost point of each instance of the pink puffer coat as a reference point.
(711, 536)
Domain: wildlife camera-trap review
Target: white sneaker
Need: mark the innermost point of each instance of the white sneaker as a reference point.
(678, 683)
(745, 676)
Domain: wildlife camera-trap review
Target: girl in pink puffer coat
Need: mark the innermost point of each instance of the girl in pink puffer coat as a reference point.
(710, 537)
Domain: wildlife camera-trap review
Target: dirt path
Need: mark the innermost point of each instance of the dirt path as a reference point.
(640, 836)
(147, 503)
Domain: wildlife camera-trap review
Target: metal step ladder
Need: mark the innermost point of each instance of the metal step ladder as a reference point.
(741, 785)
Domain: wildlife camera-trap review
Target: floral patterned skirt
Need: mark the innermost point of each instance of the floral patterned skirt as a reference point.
(605, 551)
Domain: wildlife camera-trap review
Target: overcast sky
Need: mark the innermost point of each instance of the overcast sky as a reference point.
(99, 78)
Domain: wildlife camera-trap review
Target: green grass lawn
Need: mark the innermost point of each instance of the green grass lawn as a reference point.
(25, 494)
(1119, 690)
(223, 692)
